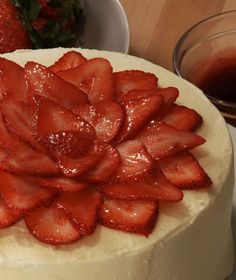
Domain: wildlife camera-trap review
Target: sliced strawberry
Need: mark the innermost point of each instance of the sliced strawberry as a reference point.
(162, 140)
(138, 113)
(138, 93)
(20, 158)
(135, 161)
(12, 82)
(8, 217)
(155, 187)
(21, 192)
(83, 208)
(182, 117)
(132, 216)
(170, 94)
(62, 184)
(69, 60)
(132, 80)
(73, 167)
(105, 117)
(105, 167)
(51, 225)
(52, 118)
(18, 118)
(184, 171)
(93, 77)
(41, 81)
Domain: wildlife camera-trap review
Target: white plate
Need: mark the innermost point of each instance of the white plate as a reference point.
(106, 26)
(233, 134)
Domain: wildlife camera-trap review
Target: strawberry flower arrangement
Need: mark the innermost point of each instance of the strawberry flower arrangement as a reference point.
(82, 145)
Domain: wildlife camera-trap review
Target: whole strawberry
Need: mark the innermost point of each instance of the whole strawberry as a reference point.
(13, 34)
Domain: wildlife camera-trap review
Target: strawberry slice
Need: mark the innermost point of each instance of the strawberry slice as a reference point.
(138, 112)
(184, 171)
(60, 130)
(93, 77)
(135, 161)
(132, 80)
(83, 209)
(155, 187)
(8, 217)
(73, 167)
(18, 118)
(105, 117)
(105, 167)
(20, 158)
(62, 184)
(12, 80)
(182, 117)
(52, 226)
(162, 140)
(170, 94)
(137, 216)
(22, 193)
(69, 60)
(41, 81)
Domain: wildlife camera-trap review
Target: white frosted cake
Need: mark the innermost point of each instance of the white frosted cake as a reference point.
(192, 239)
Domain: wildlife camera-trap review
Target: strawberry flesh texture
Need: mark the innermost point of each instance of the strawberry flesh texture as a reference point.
(93, 77)
(82, 208)
(62, 184)
(128, 80)
(52, 226)
(22, 192)
(41, 81)
(103, 170)
(73, 167)
(105, 117)
(155, 187)
(8, 216)
(135, 161)
(12, 80)
(182, 117)
(132, 216)
(138, 112)
(184, 171)
(162, 140)
(71, 59)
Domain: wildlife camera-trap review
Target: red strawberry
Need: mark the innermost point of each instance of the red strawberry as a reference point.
(22, 193)
(93, 77)
(105, 117)
(12, 32)
(20, 158)
(105, 167)
(155, 187)
(133, 80)
(182, 117)
(18, 118)
(138, 113)
(42, 81)
(10, 71)
(135, 161)
(170, 94)
(69, 60)
(132, 216)
(82, 208)
(60, 130)
(73, 167)
(184, 171)
(8, 217)
(162, 140)
(62, 184)
(137, 93)
(51, 225)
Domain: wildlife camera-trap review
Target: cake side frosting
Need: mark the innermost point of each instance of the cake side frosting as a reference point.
(191, 240)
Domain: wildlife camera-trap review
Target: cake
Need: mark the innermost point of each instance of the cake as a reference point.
(192, 239)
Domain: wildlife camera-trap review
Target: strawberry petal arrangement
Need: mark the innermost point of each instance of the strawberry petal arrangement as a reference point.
(82, 145)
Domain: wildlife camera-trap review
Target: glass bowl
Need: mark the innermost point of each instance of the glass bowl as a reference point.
(205, 55)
